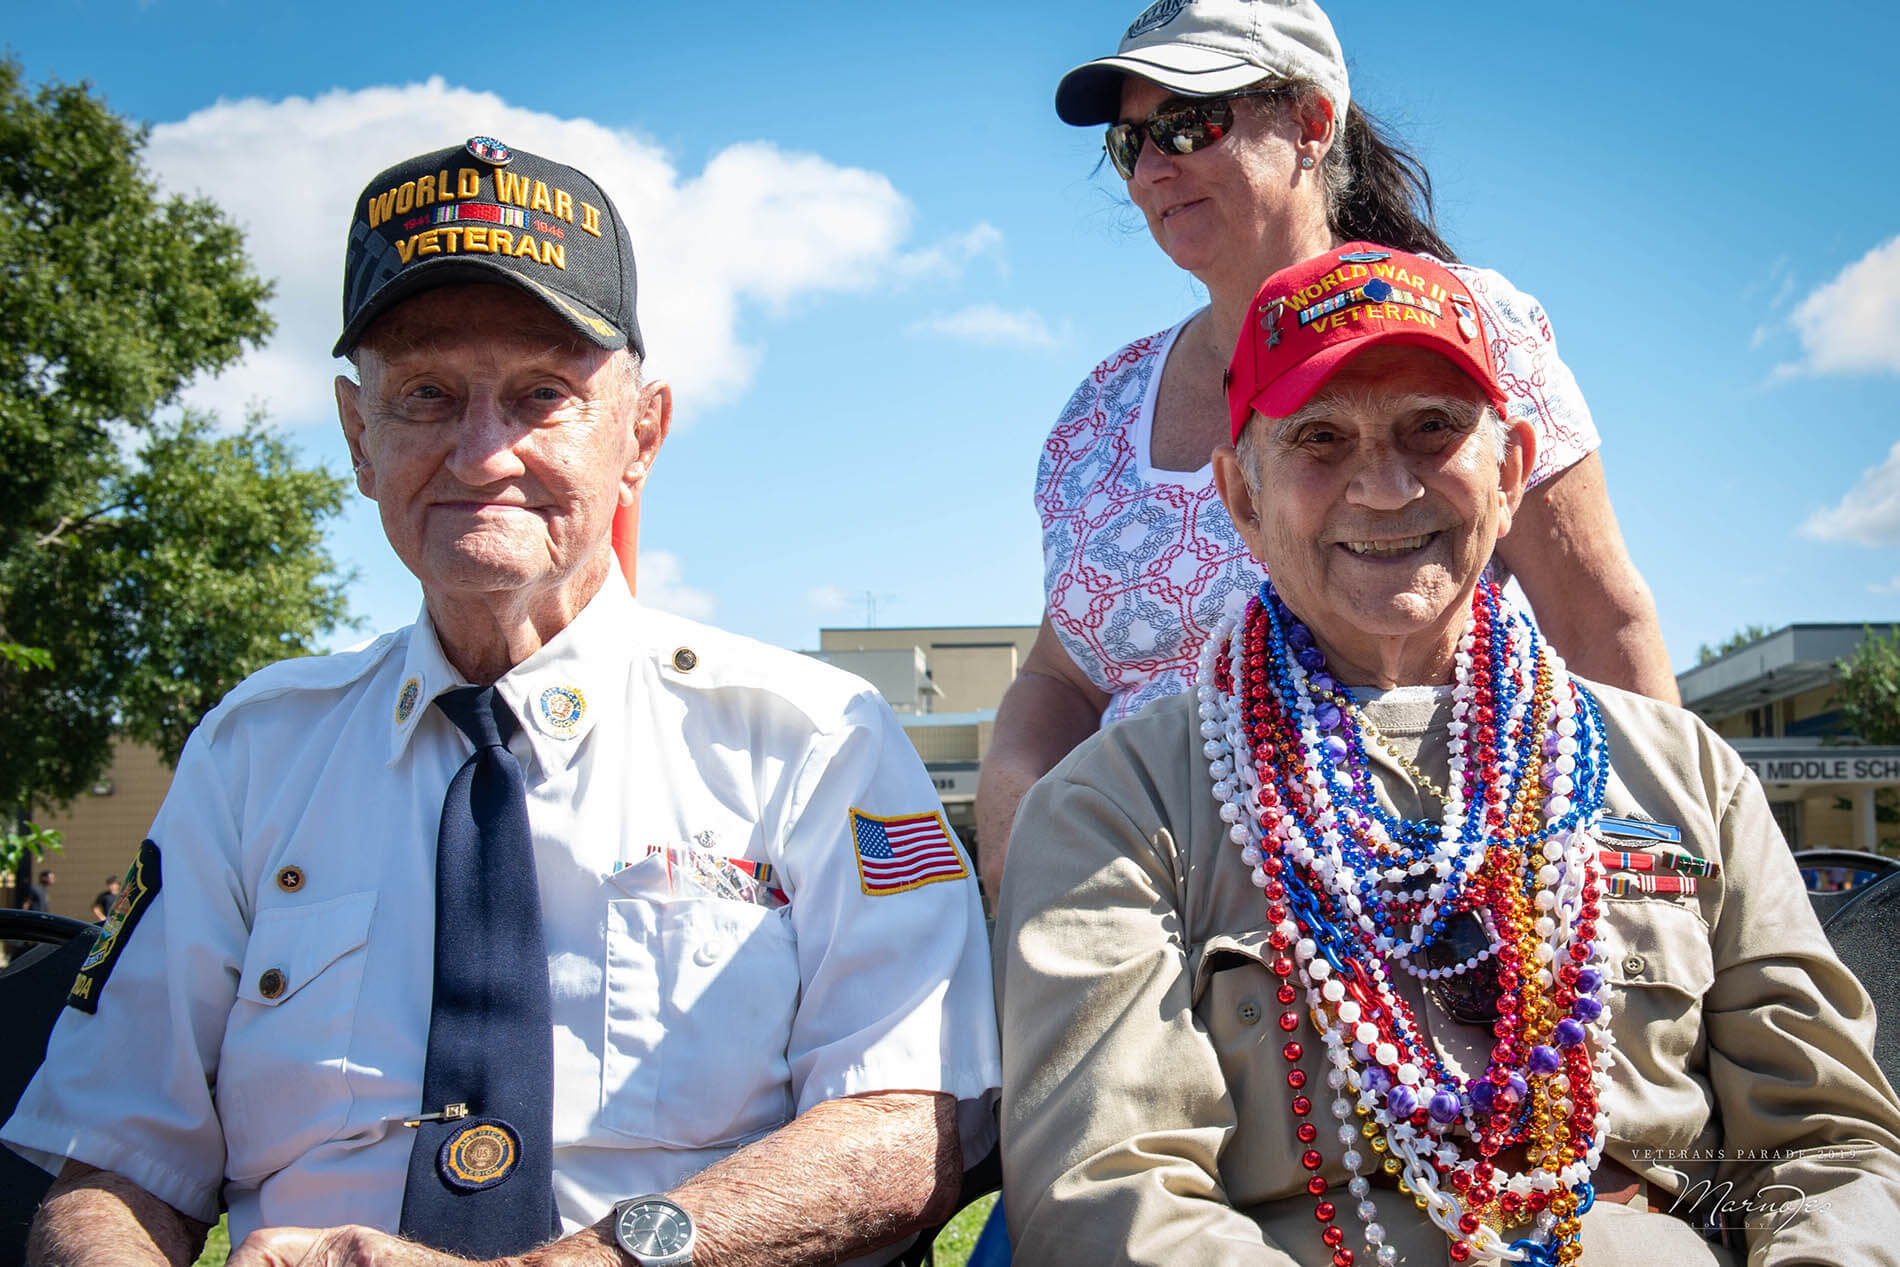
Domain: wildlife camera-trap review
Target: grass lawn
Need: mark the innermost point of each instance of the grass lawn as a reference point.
(954, 1243)
(217, 1247)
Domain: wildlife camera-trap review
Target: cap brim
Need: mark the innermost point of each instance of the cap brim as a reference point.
(1092, 92)
(1287, 393)
(587, 321)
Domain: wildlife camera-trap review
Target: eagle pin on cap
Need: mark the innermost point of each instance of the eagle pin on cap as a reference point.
(486, 212)
(1310, 318)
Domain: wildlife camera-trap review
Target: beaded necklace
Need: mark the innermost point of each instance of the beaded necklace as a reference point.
(1353, 890)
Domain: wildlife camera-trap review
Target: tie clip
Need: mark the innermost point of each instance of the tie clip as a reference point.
(448, 1114)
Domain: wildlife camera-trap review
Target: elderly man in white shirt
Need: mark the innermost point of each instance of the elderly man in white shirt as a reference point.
(765, 1033)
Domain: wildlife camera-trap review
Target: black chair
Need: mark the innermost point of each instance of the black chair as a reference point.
(32, 991)
(1835, 877)
(1865, 933)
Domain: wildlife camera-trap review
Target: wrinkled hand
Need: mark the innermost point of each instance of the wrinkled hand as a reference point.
(335, 1247)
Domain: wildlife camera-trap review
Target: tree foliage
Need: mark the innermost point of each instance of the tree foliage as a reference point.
(1868, 688)
(1740, 638)
(148, 560)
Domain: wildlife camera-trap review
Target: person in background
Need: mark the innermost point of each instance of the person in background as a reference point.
(1232, 123)
(38, 897)
(102, 904)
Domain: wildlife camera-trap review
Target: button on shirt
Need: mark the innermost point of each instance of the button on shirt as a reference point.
(262, 1042)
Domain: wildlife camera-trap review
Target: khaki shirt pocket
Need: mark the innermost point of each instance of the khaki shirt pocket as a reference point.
(1235, 1002)
(1660, 965)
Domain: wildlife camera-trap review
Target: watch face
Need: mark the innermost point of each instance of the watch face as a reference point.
(654, 1229)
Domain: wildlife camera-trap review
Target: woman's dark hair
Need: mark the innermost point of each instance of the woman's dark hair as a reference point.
(1375, 191)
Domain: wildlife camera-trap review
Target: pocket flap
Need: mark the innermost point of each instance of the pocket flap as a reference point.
(291, 945)
(1229, 950)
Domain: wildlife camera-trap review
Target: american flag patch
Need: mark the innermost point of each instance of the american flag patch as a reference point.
(906, 852)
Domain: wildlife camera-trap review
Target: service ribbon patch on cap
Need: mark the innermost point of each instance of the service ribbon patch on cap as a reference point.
(140, 887)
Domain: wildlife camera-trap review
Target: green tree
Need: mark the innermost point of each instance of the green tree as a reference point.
(1740, 638)
(1867, 689)
(148, 561)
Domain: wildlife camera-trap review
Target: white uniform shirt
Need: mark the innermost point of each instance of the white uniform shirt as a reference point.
(685, 1024)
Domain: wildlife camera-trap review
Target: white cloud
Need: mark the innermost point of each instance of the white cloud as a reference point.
(991, 325)
(1869, 514)
(828, 598)
(1852, 323)
(1885, 587)
(949, 257)
(757, 226)
(661, 584)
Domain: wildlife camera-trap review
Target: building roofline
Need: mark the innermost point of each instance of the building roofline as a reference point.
(1791, 660)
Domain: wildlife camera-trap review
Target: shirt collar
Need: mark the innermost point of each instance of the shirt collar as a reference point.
(557, 694)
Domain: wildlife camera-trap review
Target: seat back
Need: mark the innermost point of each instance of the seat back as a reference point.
(1865, 933)
(1835, 877)
(32, 991)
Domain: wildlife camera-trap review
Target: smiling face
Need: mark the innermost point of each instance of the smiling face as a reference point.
(1239, 209)
(1375, 508)
(497, 445)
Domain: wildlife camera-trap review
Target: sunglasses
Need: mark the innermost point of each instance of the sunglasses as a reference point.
(1181, 126)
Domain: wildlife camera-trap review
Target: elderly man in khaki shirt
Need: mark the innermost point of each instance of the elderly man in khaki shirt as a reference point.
(1395, 944)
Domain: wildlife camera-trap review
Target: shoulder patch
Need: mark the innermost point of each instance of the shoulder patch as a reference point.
(905, 852)
(140, 887)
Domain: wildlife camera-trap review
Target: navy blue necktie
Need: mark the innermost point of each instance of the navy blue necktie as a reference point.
(481, 1170)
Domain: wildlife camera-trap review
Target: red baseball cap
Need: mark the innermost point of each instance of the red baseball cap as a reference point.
(1310, 318)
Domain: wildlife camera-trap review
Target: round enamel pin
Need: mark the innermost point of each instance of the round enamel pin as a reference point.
(489, 150)
(562, 708)
(406, 700)
(479, 1154)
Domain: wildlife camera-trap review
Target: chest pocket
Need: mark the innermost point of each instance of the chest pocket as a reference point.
(1234, 1001)
(282, 1087)
(1660, 966)
(701, 992)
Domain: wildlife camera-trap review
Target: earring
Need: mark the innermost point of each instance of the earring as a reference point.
(1306, 162)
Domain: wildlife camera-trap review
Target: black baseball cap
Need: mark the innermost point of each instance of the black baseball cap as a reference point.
(482, 212)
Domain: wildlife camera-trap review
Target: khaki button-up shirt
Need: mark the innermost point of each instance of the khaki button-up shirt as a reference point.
(1146, 1108)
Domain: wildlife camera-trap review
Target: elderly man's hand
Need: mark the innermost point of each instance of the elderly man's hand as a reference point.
(334, 1247)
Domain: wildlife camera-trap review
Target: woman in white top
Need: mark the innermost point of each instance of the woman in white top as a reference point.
(1234, 128)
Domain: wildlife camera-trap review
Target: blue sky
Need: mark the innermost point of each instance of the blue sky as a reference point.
(875, 264)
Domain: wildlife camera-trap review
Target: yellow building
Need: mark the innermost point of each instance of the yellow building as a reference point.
(1773, 700)
(101, 830)
(944, 683)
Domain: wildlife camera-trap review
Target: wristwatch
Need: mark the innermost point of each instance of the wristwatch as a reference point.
(655, 1231)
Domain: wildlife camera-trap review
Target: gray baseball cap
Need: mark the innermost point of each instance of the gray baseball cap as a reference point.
(1203, 48)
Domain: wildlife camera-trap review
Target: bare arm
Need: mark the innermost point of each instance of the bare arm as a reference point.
(1049, 709)
(95, 1216)
(1566, 551)
(843, 1179)
(847, 1177)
